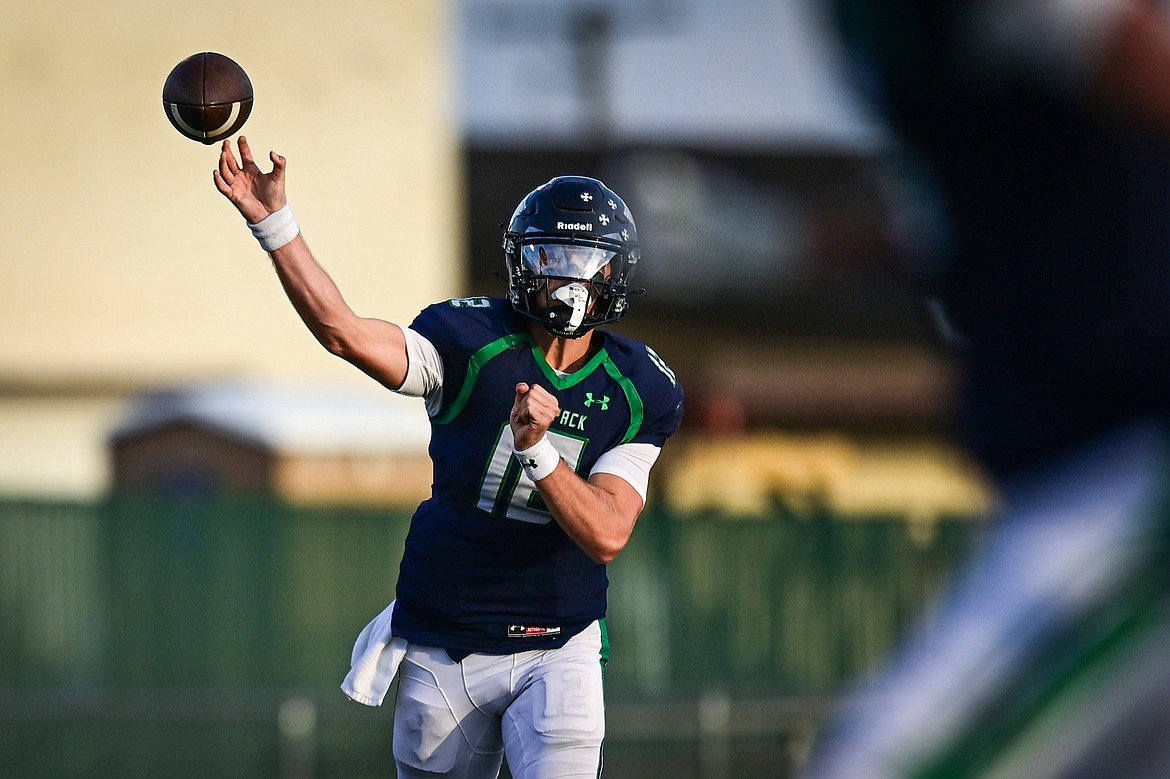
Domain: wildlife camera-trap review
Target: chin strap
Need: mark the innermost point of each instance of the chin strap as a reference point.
(576, 297)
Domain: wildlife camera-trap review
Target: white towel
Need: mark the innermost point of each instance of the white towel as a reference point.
(375, 660)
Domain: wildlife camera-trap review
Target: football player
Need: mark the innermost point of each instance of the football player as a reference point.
(1041, 125)
(544, 431)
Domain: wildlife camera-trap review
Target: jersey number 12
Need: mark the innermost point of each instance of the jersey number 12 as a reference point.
(522, 502)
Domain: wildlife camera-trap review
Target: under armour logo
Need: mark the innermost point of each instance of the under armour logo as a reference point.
(586, 196)
(603, 401)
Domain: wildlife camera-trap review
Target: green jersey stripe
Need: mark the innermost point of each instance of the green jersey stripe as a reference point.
(475, 364)
(637, 409)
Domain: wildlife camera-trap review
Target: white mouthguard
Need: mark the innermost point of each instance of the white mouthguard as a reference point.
(576, 296)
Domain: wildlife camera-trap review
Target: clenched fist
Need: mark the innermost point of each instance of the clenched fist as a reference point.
(532, 412)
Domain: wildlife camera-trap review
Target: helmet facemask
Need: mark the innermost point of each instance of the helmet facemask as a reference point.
(570, 248)
(569, 287)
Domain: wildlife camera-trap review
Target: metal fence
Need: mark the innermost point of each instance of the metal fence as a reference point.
(194, 637)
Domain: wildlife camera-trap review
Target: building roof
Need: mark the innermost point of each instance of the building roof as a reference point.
(737, 73)
(300, 418)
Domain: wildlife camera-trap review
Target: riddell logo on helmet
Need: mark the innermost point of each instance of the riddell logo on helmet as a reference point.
(575, 226)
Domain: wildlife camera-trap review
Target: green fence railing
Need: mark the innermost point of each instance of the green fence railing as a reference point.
(141, 636)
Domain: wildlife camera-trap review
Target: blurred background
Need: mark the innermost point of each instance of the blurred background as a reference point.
(200, 508)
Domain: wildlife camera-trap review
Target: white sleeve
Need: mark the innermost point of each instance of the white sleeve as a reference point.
(631, 462)
(424, 371)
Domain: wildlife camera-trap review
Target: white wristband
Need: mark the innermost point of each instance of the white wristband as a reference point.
(538, 460)
(276, 229)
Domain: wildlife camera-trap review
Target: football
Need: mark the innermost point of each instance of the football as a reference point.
(207, 97)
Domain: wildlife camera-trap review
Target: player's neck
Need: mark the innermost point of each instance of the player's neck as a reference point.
(564, 354)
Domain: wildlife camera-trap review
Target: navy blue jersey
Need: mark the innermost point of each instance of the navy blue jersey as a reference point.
(486, 568)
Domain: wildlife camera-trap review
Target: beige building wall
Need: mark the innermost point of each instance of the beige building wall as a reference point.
(123, 267)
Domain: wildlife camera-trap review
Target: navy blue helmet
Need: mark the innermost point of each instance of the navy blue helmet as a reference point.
(570, 248)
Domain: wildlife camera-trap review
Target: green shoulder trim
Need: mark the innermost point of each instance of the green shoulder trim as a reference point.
(637, 409)
(474, 365)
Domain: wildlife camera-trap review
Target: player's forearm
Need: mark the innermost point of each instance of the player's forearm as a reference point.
(593, 517)
(375, 346)
(313, 294)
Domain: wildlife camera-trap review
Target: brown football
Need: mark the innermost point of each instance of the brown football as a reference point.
(207, 97)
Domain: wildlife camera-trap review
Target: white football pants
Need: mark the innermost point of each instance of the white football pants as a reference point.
(544, 709)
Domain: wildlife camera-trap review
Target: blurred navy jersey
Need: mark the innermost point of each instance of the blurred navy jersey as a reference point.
(1056, 268)
(486, 568)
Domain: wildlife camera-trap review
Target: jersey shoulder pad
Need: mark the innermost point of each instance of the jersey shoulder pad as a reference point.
(467, 323)
(642, 365)
(655, 382)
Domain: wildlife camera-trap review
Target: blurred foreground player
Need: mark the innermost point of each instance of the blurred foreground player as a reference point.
(543, 433)
(1045, 128)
